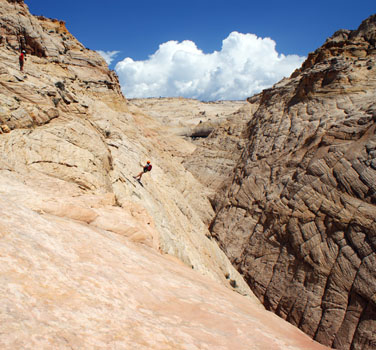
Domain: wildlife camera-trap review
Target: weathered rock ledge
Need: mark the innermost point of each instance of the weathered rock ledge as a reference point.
(298, 216)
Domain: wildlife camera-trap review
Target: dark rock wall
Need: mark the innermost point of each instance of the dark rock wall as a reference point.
(298, 219)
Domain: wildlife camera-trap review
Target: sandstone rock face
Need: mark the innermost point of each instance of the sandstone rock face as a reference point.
(185, 116)
(89, 257)
(216, 129)
(69, 120)
(216, 156)
(298, 217)
(75, 283)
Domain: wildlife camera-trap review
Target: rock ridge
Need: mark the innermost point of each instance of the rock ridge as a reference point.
(65, 117)
(90, 258)
(297, 217)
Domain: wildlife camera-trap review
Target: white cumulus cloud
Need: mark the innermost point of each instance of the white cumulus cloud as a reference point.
(244, 66)
(108, 55)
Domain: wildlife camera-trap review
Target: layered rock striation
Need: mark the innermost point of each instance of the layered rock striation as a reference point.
(217, 131)
(89, 257)
(298, 216)
(64, 117)
(74, 279)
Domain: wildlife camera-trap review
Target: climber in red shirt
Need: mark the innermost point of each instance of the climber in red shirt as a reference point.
(147, 167)
(21, 59)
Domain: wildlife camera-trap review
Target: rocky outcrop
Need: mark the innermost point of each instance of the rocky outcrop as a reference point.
(69, 120)
(93, 259)
(77, 282)
(90, 258)
(217, 131)
(298, 217)
(216, 156)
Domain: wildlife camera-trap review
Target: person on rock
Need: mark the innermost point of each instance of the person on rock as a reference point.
(147, 167)
(22, 59)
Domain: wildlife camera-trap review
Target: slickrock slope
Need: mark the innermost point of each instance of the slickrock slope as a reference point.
(216, 156)
(298, 217)
(70, 285)
(89, 258)
(217, 129)
(68, 120)
(186, 117)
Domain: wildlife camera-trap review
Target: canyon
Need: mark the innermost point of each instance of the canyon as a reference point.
(257, 219)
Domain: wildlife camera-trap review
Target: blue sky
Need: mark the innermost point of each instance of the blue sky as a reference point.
(137, 29)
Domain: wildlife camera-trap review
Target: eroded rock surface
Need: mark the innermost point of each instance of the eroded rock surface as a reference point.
(216, 129)
(90, 258)
(67, 284)
(65, 117)
(298, 217)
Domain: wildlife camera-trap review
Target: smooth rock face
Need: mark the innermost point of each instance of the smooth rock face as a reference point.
(298, 217)
(65, 284)
(68, 120)
(90, 258)
(217, 130)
